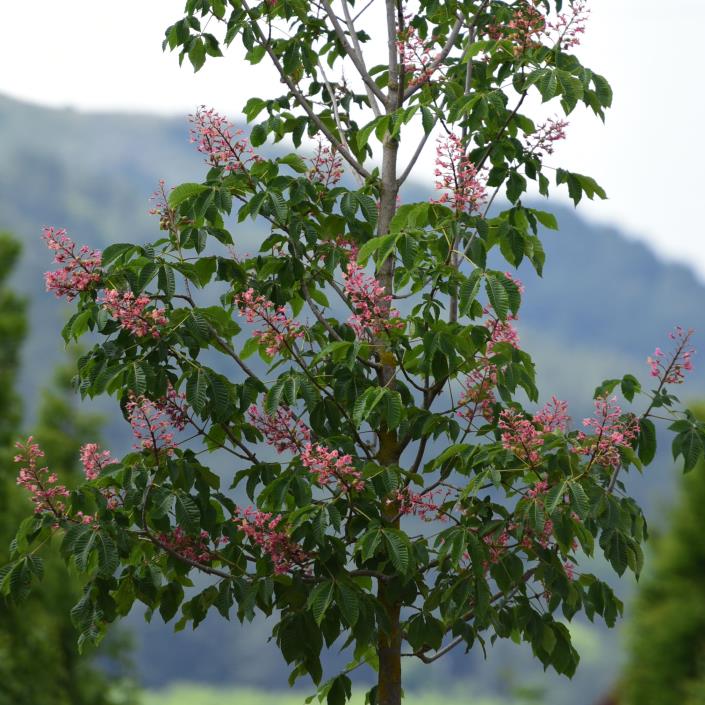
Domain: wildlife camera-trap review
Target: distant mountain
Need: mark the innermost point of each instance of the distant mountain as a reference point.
(602, 306)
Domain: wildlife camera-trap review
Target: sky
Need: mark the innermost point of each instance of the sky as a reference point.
(92, 55)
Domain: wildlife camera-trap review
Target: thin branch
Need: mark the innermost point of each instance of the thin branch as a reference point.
(354, 54)
(303, 102)
(356, 44)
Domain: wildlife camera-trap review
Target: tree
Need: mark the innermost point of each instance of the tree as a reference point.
(39, 660)
(666, 632)
(378, 417)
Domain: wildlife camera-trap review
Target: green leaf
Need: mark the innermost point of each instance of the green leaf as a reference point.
(197, 54)
(497, 295)
(319, 600)
(188, 515)
(554, 497)
(348, 603)
(398, 549)
(647, 441)
(183, 192)
(580, 503)
(196, 390)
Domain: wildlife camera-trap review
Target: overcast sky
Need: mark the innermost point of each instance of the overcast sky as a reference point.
(98, 55)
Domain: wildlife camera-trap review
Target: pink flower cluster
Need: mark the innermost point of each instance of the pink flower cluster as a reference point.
(217, 138)
(94, 461)
(458, 177)
(671, 368)
(329, 466)
(80, 270)
(373, 314)
(131, 312)
(611, 432)
(547, 134)
(190, 547)
(415, 55)
(425, 505)
(520, 436)
(154, 422)
(264, 530)
(282, 430)
(280, 331)
(553, 416)
(42, 485)
(497, 546)
(569, 27)
(540, 488)
(326, 164)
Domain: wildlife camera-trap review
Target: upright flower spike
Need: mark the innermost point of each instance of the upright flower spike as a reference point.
(416, 55)
(94, 460)
(326, 164)
(154, 423)
(457, 177)
(279, 332)
(43, 486)
(519, 435)
(330, 466)
(610, 433)
(222, 144)
(543, 140)
(282, 430)
(133, 313)
(81, 268)
(670, 368)
(268, 533)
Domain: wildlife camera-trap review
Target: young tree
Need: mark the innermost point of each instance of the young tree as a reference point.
(397, 402)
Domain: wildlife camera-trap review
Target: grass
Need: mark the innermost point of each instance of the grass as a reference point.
(204, 695)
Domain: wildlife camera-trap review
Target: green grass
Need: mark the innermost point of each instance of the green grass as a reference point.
(203, 695)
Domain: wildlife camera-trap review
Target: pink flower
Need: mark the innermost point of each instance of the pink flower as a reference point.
(671, 368)
(264, 531)
(329, 466)
(193, 548)
(80, 270)
(373, 314)
(279, 332)
(42, 486)
(415, 54)
(217, 138)
(132, 314)
(553, 416)
(282, 430)
(458, 177)
(94, 461)
(425, 505)
(547, 134)
(326, 164)
(611, 432)
(154, 422)
(520, 436)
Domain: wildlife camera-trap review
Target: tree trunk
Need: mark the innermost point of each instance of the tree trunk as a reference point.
(389, 652)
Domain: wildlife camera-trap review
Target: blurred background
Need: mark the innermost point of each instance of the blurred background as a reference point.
(93, 114)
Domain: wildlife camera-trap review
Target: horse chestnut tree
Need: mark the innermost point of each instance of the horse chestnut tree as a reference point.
(359, 376)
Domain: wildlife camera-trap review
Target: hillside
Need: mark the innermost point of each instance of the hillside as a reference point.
(604, 303)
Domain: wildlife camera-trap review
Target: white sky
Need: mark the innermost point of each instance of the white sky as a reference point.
(98, 55)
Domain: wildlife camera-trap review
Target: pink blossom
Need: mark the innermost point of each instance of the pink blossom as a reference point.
(279, 332)
(520, 436)
(415, 55)
(80, 270)
(497, 546)
(132, 314)
(217, 138)
(671, 368)
(553, 416)
(425, 505)
(266, 532)
(193, 548)
(458, 177)
(611, 432)
(94, 461)
(154, 422)
(538, 489)
(326, 164)
(329, 466)
(372, 312)
(547, 134)
(43, 487)
(568, 28)
(569, 571)
(282, 430)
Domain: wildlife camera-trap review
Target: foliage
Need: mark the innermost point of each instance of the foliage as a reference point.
(39, 661)
(405, 409)
(666, 631)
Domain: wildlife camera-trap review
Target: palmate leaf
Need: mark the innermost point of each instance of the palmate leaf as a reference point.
(320, 599)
